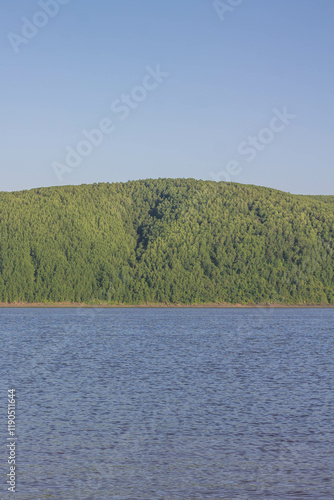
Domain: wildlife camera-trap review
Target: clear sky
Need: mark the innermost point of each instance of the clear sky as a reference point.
(242, 91)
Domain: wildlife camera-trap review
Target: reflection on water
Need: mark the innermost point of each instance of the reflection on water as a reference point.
(170, 403)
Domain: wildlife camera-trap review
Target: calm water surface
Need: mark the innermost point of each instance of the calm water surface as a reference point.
(169, 404)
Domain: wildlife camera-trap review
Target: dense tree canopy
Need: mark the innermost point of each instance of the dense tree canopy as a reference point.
(166, 240)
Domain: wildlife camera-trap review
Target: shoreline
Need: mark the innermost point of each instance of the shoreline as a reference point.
(222, 305)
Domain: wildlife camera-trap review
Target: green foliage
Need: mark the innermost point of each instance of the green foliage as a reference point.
(166, 240)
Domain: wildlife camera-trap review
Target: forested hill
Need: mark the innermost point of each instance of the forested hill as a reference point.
(167, 240)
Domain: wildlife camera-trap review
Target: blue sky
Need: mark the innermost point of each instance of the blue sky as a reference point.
(232, 72)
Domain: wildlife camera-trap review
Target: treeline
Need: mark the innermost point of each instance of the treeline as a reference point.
(167, 240)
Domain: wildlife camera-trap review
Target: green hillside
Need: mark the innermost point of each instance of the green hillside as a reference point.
(166, 240)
